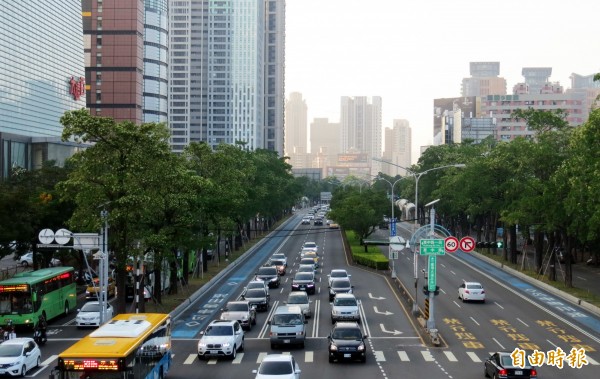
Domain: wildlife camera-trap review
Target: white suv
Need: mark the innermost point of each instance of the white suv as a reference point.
(222, 338)
(344, 308)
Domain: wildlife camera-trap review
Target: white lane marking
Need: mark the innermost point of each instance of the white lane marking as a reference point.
(212, 361)
(427, 356)
(522, 322)
(260, 358)
(499, 344)
(308, 356)
(379, 357)
(473, 356)
(591, 361)
(501, 307)
(190, 359)
(450, 356)
(403, 356)
(238, 359)
(474, 321)
(49, 360)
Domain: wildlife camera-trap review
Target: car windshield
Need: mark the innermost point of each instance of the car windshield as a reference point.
(219, 330)
(346, 334)
(267, 271)
(306, 268)
(275, 368)
(307, 261)
(474, 286)
(310, 245)
(344, 302)
(277, 263)
(237, 307)
(291, 319)
(256, 292)
(90, 307)
(8, 350)
(298, 298)
(254, 285)
(338, 274)
(278, 256)
(303, 276)
(340, 284)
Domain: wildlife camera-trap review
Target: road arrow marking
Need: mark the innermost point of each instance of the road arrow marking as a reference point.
(382, 313)
(395, 332)
(376, 298)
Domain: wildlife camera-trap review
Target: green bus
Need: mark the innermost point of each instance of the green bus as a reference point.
(28, 295)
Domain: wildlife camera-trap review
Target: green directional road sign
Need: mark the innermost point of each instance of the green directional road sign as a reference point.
(432, 247)
(431, 282)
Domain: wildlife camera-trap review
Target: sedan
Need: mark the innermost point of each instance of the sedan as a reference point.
(241, 311)
(346, 341)
(338, 273)
(304, 281)
(279, 264)
(310, 245)
(471, 291)
(278, 366)
(500, 366)
(280, 257)
(269, 275)
(19, 355)
(300, 299)
(89, 314)
(257, 297)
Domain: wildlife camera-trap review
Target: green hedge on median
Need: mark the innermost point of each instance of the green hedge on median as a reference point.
(374, 258)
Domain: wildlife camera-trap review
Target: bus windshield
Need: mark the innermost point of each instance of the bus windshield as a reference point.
(15, 303)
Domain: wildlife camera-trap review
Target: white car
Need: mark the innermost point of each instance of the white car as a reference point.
(278, 366)
(310, 245)
(26, 260)
(300, 298)
(89, 314)
(337, 273)
(471, 291)
(344, 308)
(19, 355)
(279, 257)
(222, 338)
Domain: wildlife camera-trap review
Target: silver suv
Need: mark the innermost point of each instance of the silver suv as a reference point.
(241, 311)
(222, 338)
(344, 308)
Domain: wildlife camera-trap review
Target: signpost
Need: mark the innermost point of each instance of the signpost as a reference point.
(431, 280)
(467, 244)
(451, 244)
(434, 246)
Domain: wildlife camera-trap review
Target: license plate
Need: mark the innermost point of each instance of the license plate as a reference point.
(286, 341)
(214, 352)
(518, 372)
(347, 355)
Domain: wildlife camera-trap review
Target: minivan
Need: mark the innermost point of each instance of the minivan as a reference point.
(287, 326)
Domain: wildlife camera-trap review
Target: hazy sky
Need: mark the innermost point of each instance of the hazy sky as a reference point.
(410, 52)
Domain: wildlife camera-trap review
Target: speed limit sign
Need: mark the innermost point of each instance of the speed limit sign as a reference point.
(451, 244)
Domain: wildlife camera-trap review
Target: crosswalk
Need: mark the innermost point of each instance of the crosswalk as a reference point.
(308, 356)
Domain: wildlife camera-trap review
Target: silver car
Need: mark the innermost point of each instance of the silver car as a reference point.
(300, 299)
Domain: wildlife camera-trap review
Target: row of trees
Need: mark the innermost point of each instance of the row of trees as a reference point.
(157, 201)
(547, 186)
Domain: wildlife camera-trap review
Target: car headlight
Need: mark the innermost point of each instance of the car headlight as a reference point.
(226, 344)
(201, 344)
(361, 347)
(333, 347)
(245, 318)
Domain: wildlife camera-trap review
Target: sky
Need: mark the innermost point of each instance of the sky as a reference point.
(411, 52)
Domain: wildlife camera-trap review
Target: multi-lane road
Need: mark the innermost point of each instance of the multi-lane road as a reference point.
(515, 315)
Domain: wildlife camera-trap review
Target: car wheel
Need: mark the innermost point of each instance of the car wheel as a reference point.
(273, 345)
(332, 321)
(66, 308)
(331, 359)
(254, 321)
(39, 362)
(495, 376)
(23, 371)
(200, 357)
(242, 345)
(485, 373)
(363, 359)
(24, 263)
(233, 352)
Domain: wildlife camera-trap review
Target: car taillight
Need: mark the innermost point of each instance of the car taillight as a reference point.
(467, 291)
(482, 291)
(533, 373)
(503, 372)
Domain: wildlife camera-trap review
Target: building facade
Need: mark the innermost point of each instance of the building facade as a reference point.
(296, 127)
(220, 59)
(398, 142)
(324, 143)
(114, 58)
(156, 51)
(42, 75)
(361, 125)
(484, 80)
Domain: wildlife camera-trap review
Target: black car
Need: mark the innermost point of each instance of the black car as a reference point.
(318, 221)
(500, 366)
(270, 275)
(257, 297)
(347, 342)
(339, 285)
(304, 281)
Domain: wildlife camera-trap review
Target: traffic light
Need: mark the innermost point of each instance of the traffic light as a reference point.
(486, 245)
(500, 244)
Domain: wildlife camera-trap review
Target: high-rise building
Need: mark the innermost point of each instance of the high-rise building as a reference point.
(361, 125)
(114, 57)
(398, 140)
(324, 143)
(536, 78)
(226, 72)
(296, 126)
(484, 80)
(42, 75)
(156, 51)
(585, 86)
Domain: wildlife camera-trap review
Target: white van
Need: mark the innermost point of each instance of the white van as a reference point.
(287, 326)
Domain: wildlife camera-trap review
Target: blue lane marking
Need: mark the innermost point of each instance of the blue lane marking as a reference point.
(550, 301)
(193, 321)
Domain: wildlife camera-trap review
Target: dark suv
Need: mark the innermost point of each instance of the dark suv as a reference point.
(269, 275)
(339, 285)
(304, 281)
(346, 341)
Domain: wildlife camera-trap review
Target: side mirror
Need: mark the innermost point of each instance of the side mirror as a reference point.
(298, 371)
(78, 310)
(254, 371)
(365, 336)
(243, 297)
(351, 286)
(269, 322)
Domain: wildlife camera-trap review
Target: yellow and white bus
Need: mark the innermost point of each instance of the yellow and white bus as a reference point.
(130, 346)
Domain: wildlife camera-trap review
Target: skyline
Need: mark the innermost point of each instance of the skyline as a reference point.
(399, 49)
